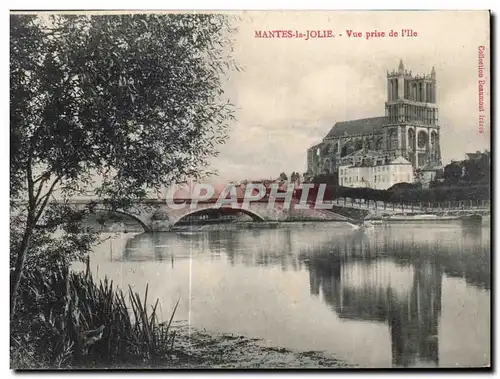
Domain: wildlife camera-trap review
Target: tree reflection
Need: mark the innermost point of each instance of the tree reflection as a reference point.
(461, 252)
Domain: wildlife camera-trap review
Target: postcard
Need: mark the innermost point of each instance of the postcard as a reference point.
(250, 190)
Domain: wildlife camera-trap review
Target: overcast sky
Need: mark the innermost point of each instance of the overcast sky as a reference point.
(292, 91)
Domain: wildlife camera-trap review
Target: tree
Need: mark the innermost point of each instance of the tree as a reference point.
(135, 100)
(453, 172)
(330, 179)
(294, 177)
(101, 220)
(477, 170)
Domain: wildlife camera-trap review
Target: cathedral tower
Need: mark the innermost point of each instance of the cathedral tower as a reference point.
(413, 126)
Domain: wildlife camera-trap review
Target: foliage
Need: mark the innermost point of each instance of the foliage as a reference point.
(476, 170)
(468, 180)
(283, 177)
(138, 97)
(453, 172)
(126, 103)
(401, 187)
(294, 177)
(404, 192)
(331, 179)
(66, 320)
(59, 239)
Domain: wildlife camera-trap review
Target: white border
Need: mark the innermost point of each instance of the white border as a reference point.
(183, 5)
(256, 4)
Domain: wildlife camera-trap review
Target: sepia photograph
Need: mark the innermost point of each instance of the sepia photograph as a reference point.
(200, 190)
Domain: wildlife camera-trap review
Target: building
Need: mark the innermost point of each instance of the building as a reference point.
(480, 156)
(410, 128)
(428, 174)
(374, 172)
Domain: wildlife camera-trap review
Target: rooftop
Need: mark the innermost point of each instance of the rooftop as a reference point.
(400, 160)
(360, 126)
(397, 161)
(314, 147)
(477, 155)
(364, 153)
(429, 167)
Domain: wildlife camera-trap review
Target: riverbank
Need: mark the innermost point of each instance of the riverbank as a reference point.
(82, 322)
(197, 349)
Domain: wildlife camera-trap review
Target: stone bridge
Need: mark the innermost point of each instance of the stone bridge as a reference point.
(155, 214)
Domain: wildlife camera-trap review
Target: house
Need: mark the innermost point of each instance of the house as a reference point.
(376, 174)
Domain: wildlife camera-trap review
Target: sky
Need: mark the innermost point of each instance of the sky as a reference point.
(292, 91)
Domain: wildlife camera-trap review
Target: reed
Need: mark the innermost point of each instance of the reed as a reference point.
(68, 320)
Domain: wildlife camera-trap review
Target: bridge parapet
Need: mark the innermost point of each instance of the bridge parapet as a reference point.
(381, 207)
(154, 212)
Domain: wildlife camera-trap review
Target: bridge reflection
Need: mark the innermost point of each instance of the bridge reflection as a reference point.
(391, 275)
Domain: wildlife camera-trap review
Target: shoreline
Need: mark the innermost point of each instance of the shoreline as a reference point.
(201, 349)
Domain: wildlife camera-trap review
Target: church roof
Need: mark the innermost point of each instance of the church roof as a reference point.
(364, 153)
(360, 126)
(431, 167)
(314, 147)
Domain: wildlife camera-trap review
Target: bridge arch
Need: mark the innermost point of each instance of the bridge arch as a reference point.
(144, 225)
(255, 216)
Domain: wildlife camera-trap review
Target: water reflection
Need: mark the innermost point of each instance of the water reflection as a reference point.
(463, 252)
(371, 291)
(392, 275)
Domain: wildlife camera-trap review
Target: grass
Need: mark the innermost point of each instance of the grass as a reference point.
(68, 320)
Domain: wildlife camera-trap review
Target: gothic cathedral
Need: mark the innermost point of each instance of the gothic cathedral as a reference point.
(409, 129)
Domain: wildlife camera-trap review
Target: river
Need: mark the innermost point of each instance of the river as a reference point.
(400, 295)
